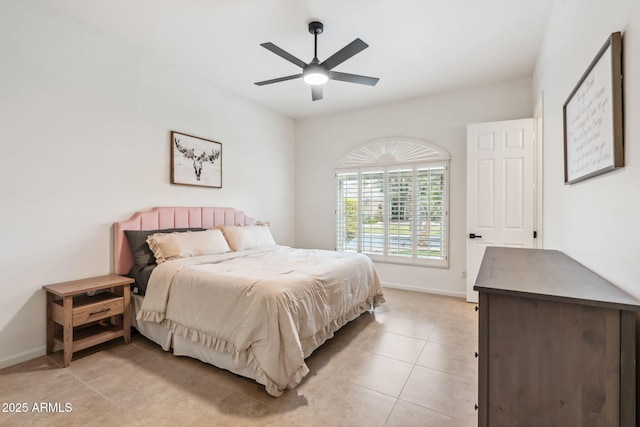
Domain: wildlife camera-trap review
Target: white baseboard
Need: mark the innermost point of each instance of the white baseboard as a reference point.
(462, 295)
(23, 357)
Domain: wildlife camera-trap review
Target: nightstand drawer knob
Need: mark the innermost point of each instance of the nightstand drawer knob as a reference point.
(477, 308)
(476, 354)
(104, 310)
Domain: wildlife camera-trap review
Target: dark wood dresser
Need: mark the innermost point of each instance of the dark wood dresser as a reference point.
(557, 343)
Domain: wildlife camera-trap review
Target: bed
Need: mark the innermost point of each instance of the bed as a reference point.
(253, 307)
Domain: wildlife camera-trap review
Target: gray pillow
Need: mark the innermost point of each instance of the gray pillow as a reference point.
(137, 239)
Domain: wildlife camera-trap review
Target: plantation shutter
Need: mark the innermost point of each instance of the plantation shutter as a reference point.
(400, 213)
(372, 212)
(347, 211)
(391, 202)
(431, 213)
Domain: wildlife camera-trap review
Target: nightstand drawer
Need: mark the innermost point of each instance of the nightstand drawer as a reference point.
(98, 310)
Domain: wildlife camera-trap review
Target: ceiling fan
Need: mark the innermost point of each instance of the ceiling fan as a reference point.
(317, 73)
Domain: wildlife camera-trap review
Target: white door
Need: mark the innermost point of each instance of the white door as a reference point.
(500, 190)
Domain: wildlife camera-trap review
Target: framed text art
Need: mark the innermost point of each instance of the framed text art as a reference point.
(195, 161)
(593, 117)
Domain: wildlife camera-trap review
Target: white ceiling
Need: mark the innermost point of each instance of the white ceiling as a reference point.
(416, 47)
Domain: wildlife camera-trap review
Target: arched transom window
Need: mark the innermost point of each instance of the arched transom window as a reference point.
(392, 202)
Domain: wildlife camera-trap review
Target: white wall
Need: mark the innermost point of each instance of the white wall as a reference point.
(84, 125)
(441, 120)
(595, 221)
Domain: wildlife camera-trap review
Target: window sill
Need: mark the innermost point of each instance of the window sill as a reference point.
(409, 262)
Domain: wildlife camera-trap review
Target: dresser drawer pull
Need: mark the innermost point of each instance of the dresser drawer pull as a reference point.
(104, 310)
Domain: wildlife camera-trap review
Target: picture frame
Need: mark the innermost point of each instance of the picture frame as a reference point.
(195, 161)
(593, 117)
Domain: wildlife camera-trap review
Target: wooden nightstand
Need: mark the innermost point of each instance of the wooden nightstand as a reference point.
(78, 321)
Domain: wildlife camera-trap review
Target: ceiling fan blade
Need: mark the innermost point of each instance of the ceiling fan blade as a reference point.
(345, 53)
(316, 92)
(284, 54)
(353, 78)
(280, 79)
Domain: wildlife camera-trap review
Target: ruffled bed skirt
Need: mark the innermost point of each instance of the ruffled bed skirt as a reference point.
(246, 356)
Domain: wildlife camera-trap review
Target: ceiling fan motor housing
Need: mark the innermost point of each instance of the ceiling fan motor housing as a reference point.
(314, 73)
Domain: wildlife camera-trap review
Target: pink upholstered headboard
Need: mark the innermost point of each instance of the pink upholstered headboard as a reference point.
(160, 218)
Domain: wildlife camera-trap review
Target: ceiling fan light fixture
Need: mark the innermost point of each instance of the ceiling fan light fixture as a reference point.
(315, 79)
(315, 75)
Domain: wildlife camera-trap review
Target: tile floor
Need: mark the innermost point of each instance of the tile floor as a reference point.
(411, 363)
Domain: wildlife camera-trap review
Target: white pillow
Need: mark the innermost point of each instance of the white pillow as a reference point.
(166, 246)
(241, 238)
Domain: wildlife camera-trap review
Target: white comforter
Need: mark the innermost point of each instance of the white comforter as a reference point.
(269, 308)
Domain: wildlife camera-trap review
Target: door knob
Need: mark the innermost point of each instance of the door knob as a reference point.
(474, 236)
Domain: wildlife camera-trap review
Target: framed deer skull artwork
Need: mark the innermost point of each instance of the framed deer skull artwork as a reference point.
(195, 161)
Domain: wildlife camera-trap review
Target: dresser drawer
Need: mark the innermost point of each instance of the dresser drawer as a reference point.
(98, 310)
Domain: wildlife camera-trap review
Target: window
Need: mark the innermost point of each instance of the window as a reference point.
(394, 212)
